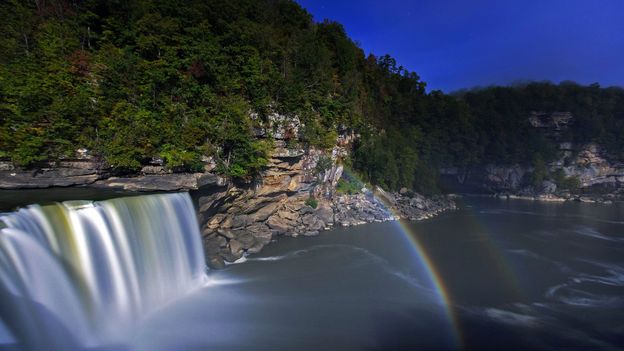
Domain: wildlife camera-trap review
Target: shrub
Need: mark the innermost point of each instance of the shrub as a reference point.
(564, 182)
(348, 186)
(311, 202)
(177, 159)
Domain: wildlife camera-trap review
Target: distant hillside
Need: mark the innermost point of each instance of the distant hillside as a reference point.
(180, 80)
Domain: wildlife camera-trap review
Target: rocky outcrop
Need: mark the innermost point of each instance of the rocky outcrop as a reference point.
(597, 176)
(85, 170)
(296, 197)
(163, 182)
(62, 174)
(594, 174)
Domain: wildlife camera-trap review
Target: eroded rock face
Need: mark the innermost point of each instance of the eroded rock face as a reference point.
(238, 221)
(597, 172)
(84, 170)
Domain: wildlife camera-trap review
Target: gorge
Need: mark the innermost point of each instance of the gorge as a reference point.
(240, 175)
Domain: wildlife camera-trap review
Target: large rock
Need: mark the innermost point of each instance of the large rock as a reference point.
(52, 178)
(265, 212)
(212, 245)
(280, 225)
(165, 182)
(241, 221)
(235, 251)
(261, 233)
(216, 220)
(325, 214)
(313, 223)
(245, 238)
(215, 262)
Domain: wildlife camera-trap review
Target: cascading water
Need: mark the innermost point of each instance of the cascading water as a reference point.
(79, 274)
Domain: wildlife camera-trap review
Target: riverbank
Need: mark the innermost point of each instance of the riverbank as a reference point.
(239, 225)
(605, 199)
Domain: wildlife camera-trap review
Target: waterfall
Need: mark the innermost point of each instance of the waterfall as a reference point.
(80, 273)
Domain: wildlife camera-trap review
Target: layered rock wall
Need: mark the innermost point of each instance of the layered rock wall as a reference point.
(599, 175)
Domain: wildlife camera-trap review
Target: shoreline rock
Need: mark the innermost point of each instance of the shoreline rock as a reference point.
(586, 198)
(244, 223)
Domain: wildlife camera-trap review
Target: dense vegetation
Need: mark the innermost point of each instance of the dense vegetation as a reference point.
(177, 80)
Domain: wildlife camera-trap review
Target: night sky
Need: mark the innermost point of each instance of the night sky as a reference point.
(454, 44)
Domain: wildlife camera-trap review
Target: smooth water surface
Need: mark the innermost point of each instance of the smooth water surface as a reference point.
(519, 275)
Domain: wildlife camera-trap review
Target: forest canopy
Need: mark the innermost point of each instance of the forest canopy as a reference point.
(178, 80)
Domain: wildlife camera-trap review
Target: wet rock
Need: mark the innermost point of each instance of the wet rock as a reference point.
(255, 248)
(215, 262)
(245, 238)
(213, 245)
(236, 249)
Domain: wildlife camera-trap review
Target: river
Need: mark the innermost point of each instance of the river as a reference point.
(495, 274)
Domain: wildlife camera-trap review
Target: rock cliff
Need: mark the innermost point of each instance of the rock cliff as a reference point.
(584, 172)
(296, 196)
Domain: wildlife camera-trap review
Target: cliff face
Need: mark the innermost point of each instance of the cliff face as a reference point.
(244, 218)
(296, 196)
(85, 170)
(593, 171)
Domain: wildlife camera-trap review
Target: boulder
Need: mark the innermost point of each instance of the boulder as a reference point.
(265, 212)
(245, 238)
(255, 248)
(236, 248)
(212, 246)
(261, 233)
(291, 216)
(241, 221)
(280, 225)
(325, 214)
(227, 222)
(215, 262)
(312, 222)
(216, 220)
(305, 209)
(226, 233)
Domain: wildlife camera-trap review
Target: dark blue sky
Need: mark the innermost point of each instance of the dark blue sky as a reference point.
(455, 44)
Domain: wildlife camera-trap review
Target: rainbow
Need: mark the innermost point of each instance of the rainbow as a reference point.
(436, 281)
(432, 273)
(435, 278)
